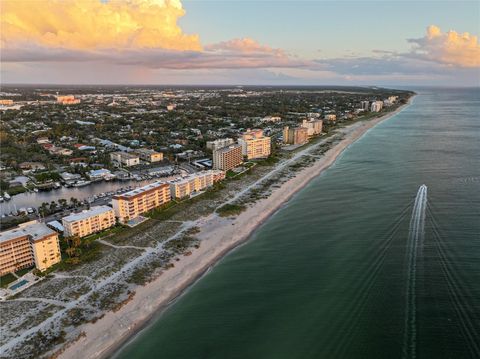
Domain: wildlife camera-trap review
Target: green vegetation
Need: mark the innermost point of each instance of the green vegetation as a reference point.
(47, 176)
(6, 279)
(228, 210)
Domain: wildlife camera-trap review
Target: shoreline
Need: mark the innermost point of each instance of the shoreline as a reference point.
(218, 237)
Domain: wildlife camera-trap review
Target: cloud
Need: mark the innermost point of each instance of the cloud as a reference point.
(88, 25)
(126, 32)
(237, 53)
(451, 48)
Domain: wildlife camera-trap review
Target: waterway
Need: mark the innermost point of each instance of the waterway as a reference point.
(35, 199)
(365, 262)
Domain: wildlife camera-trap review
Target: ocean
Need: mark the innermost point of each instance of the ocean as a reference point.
(364, 262)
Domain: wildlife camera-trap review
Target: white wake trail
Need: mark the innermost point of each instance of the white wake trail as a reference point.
(415, 242)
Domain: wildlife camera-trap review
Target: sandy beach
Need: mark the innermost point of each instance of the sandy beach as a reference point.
(218, 236)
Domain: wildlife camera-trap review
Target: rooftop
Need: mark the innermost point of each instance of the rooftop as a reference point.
(228, 148)
(143, 189)
(34, 229)
(87, 213)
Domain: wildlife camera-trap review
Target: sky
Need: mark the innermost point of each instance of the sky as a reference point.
(282, 42)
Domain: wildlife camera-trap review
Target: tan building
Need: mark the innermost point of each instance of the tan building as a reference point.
(68, 100)
(94, 220)
(31, 243)
(6, 102)
(314, 127)
(295, 136)
(255, 144)
(132, 204)
(186, 186)
(149, 155)
(331, 117)
(125, 158)
(227, 158)
(376, 106)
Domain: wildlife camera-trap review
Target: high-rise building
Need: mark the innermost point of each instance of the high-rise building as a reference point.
(365, 105)
(132, 204)
(314, 127)
(188, 185)
(376, 106)
(220, 143)
(31, 243)
(255, 144)
(295, 136)
(227, 158)
(89, 221)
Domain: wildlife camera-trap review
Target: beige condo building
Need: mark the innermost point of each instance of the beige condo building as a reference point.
(227, 158)
(255, 144)
(90, 221)
(133, 203)
(186, 186)
(295, 136)
(314, 127)
(31, 243)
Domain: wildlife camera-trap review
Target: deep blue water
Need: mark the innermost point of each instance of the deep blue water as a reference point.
(330, 275)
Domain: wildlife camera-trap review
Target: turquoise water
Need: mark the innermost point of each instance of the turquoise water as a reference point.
(18, 285)
(331, 274)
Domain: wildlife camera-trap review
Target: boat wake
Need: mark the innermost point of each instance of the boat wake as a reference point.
(415, 244)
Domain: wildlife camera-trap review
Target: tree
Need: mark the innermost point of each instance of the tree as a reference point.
(74, 202)
(43, 209)
(53, 206)
(63, 202)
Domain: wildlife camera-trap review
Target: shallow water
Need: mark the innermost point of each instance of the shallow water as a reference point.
(330, 275)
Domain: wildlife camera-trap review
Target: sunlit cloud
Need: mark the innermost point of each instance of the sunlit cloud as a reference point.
(451, 48)
(89, 25)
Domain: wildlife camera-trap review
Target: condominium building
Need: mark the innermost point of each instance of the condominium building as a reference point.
(132, 204)
(125, 158)
(82, 224)
(376, 106)
(149, 155)
(220, 143)
(365, 105)
(186, 186)
(31, 243)
(255, 144)
(314, 127)
(227, 158)
(331, 117)
(295, 136)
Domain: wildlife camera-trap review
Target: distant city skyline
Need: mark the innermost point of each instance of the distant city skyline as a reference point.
(150, 42)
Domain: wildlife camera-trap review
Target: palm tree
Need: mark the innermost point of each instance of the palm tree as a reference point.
(53, 206)
(74, 202)
(63, 202)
